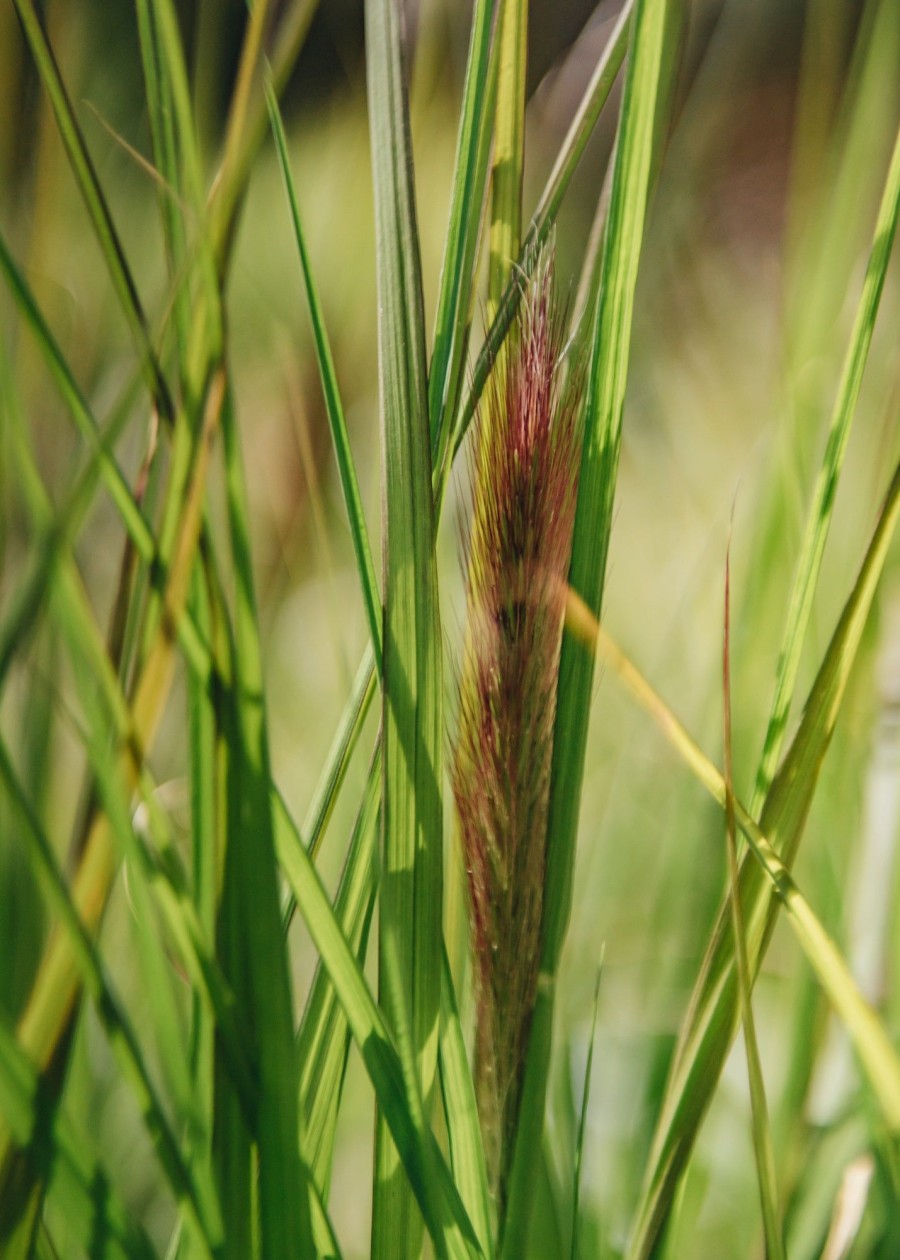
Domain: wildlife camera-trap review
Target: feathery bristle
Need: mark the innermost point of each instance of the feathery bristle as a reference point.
(525, 468)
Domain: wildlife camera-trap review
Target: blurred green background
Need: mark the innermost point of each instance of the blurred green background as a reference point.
(777, 145)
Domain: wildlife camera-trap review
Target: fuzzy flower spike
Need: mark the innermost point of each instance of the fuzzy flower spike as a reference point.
(524, 472)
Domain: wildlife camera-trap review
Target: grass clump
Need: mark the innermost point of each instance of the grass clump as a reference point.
(201, 1010)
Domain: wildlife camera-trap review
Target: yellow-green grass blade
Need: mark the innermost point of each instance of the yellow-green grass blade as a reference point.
(252, 943)
(205, 776)
(196, 306)
(165, 149)
(172, 897)
(396, 1088)
(582, 1120)
(602, 428)
(197, 1200)
(79, 1185)
(822, 506)
(878, 1057)
(712, 1017)
(88, 429)
(249, 123)
(194, 643)
(762, 1133)
(509, 149)
(50, 1005)
(410, 895)
(467, 199)
(835, 178)
(323, 1039)
(801, 605)
(461, 1114)
(324, 1238)
(359, 532)
(89, 186)
(343, 745)
(171, 893)
(331, 778)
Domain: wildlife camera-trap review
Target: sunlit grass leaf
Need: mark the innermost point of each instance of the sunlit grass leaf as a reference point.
(323, 1039)
(813, 547)
(712, 1018)
(89, 186)
(250, 928)
(508, 160)
(461, 1112)
(878, 1057)
(467, 197)
(762, 1133)
(395, 1085)
(410, 896)
(346, 468)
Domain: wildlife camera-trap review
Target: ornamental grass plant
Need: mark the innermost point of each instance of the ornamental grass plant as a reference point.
(302, 904)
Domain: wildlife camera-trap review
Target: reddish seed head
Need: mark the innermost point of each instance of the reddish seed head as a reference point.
(524, 470)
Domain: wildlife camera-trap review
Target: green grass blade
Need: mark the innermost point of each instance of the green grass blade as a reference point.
(334, 770)
(205, 771)
(819, 520)
(197, 1201)
(171, 897)
(197, 309)
(54, 994)
(458, 273)
(603, 410)
(762, 1133)
(397, 1092)
(712, 1018)
(111, 474)
(324, 1237)
(165, 150)
(323, 1039)
(582, 1119)
(509, 149)
(80, 1187)
(250, 920)
(412, 863)
(461, 1113)
(346, 468)
(89, 186)
(878, 1057)
(339, 754)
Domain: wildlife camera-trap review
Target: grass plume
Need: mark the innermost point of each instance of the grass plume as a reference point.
(524, 474)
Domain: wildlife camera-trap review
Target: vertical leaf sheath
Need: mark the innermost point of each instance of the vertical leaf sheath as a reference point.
(821, 508)
(762, 1133)
(411, 897)
(252, 929)
(509, 149)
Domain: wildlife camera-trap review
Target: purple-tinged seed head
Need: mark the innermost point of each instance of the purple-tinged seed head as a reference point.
(524, 489)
